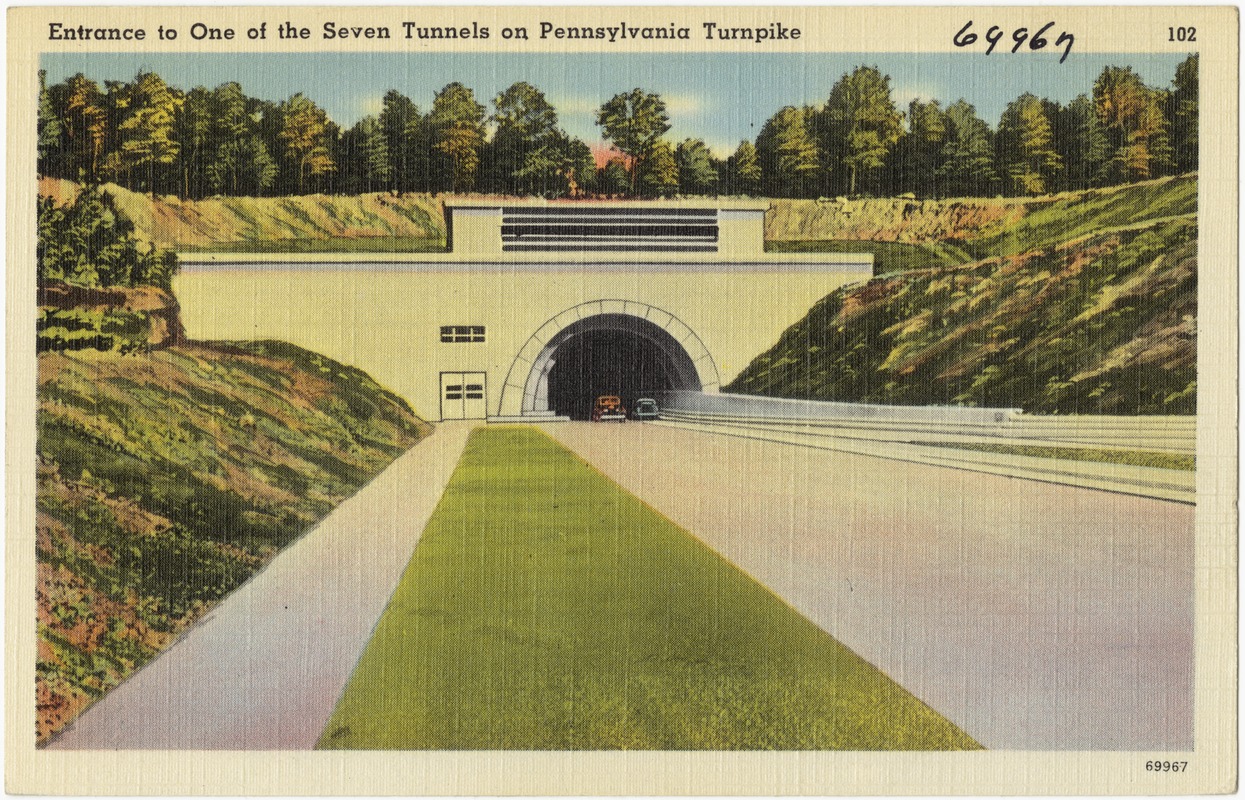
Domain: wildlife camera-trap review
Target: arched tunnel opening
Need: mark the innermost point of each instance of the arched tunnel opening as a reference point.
(615, 354)
(606, 362)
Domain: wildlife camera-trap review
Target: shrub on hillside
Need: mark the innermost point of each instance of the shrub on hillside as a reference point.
(85, 329)
(86, 243)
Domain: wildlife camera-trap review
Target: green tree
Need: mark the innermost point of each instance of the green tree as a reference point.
(79, 103)
(1026, 148)
(561, 165)
(919, 153)
(363, 158)
(146, 135)
(634, 121)
(1183, 117)
(579, 167)
(1131, 114)
(743, 170)
(1082, 143)
(87, 244)
(968, 165)
(788, 154)
(529, 153)
(457, 128)
(697, 174)
(658, 174)
(857, 129)
(49, 143)
(242, 167)
(614, 178)
(305, 133)
(240, 159)
(192, 128)
(406, 142)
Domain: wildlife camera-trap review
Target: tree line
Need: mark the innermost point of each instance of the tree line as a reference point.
(152, 137)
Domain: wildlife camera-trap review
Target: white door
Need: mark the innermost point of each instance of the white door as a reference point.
(463, 395)
(474, 406)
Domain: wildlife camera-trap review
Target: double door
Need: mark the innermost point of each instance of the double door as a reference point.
(463, 396)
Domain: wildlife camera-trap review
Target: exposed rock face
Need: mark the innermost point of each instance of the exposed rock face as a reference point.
(157, 309)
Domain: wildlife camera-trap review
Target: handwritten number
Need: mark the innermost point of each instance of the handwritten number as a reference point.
(1064, 37)
(1037, 41)
(992, 36)
(1019, 37)
(964, 39)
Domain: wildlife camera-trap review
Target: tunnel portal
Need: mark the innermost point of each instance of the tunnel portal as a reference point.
(609, 354)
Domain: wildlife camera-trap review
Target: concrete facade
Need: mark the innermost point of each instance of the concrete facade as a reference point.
(476, 332)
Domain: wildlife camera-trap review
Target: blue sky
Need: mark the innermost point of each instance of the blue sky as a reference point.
(719, 97)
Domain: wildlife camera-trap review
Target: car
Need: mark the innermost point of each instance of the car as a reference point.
(609, 407)
(645, 408)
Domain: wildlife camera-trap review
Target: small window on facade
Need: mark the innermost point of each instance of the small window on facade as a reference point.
(459, 334)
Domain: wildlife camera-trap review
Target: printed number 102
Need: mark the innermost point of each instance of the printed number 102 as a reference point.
(1182, 34)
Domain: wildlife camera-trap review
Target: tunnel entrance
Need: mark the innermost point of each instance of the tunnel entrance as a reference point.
(633, 352)
(604, 347)
(613, 362)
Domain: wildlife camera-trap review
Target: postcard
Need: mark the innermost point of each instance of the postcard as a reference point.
(622, 400)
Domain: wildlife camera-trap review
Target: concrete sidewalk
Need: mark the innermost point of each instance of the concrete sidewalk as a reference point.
(1035, 616)
(264, 669)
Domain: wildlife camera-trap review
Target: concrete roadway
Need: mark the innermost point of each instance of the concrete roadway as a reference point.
(1033, 615)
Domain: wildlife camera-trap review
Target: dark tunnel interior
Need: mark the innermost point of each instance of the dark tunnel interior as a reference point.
(602, 362)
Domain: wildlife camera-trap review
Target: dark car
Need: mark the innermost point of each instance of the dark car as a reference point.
(609, 407)
(645, 408)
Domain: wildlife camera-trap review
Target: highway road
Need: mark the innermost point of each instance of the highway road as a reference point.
(1033, 615)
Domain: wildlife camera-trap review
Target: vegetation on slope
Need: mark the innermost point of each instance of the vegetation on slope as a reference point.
(1136, 458)
(916, 234)
(547, 609)
(100, 285)
(165, 480)
(1104, 324)
(274, 223)
(900, 233)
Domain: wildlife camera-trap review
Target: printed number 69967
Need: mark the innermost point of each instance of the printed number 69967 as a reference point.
(1166, 766)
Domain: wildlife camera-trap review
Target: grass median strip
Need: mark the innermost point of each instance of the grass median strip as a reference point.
(545, 608)
(1136, 458)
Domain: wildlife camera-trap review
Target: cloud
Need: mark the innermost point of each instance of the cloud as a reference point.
(676, 103)
(683, 103)
(720, 147)
(371, 104)
(904, 94)
(575, 105)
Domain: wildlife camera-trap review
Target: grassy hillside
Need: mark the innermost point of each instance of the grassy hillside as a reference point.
(314, 223)
(165, 480)
(901, 233)
(1100, 324)
(917, 234)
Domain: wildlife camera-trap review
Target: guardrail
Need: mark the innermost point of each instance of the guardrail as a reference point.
(931, 424)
